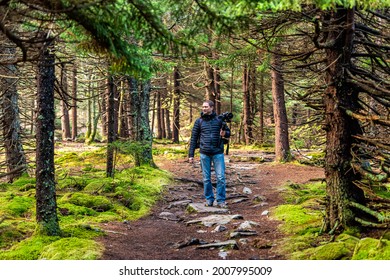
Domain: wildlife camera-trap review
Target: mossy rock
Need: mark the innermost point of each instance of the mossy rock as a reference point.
(100, 186)
(72, 249)
(98, 203)
(341, 249)
(372, 249)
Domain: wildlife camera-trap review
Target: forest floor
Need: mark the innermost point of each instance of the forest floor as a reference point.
(171, 232)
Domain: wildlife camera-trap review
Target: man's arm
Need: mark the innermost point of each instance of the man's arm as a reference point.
(194, 138)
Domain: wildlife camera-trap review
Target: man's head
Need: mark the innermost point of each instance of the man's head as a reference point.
(208, 107)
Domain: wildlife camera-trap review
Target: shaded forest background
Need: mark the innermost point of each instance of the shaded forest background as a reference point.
(312, 76)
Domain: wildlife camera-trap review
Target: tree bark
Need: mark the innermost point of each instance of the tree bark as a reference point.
(65, 121)
(111, 131)
(339, 127)
(10, 122)
(261, 108)
(46, 205)
(146, 137)
(74, 103)
(282, 146)
(159, 115)
(176, 105)
(134, 105)
(210, 87)
(247, 119)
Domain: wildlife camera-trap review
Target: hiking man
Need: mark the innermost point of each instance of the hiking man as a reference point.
(209, 131)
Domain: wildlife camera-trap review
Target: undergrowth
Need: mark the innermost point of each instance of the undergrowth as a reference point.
(85, 198)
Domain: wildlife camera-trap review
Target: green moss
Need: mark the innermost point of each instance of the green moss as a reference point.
(24, 180)
(297, 219)
(100, 185)
(97, 203)
(76, 183)
(81, 230)
(72, 249)
(16, 205)
(28, 249)
(372, 249)
(85, 198)
(331, 251)
(341, 248)
(66, 209)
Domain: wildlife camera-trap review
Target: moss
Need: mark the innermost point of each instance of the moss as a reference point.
(372, 249)
(24, 180)
(97, 203)
(77, 183)
(98, 186)
(28, 249)
(85, 231)
(331, 251)
(72, 249)
(66, 209)
(9, 234)
(17, 205)
(297, 218)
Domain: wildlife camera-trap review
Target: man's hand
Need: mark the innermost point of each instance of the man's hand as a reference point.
(191, 160)
(222, 133)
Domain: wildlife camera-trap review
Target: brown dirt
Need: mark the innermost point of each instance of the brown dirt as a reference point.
(155, 238)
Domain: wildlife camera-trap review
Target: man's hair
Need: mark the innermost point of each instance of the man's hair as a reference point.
(211, 103)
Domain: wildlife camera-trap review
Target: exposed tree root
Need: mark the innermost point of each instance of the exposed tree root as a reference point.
(384, 221)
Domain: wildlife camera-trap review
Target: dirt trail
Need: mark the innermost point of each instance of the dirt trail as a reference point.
(165, 234)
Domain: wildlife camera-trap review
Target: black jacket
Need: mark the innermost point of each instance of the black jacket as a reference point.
(207, 129)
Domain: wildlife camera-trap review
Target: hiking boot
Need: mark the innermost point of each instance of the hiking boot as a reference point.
(222, 205)
(209, 203)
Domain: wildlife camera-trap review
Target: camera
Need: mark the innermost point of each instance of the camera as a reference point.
(227, 116)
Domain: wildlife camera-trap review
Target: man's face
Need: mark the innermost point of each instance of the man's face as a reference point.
(206, 109)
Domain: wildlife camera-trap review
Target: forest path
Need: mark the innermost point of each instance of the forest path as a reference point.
(171, 232)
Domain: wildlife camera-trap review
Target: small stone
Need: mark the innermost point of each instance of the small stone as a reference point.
(220, 228)
(247, 190)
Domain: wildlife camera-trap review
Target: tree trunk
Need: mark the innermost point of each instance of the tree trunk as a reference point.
(88, 132)
(167, 124)
(111, 132)
(134, 110)
(65, 121)
(247, 119)
(163, 128)
(176, 105)
(146, 137)
(46, 207)
(282, 146)
(103, 110)
(339, 127)
(210, 87)
(10, 122)
(217, 90)
(261, 108)
(123, 130)
(74, 103)
(159, 115)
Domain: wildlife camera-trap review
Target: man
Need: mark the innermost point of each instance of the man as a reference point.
(209, 130)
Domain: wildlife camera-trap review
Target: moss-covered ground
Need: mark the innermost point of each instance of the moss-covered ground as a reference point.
(85, 198)
(302, 217)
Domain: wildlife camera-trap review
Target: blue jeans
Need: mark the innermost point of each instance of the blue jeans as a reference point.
(219, 167)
